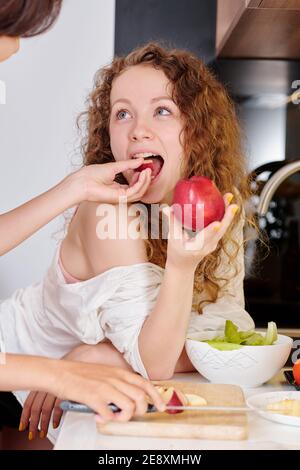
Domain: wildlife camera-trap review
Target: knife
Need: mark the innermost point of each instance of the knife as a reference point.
(79, 407)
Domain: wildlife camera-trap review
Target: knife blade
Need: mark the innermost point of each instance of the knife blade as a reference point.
(209, 408)
(79, 407)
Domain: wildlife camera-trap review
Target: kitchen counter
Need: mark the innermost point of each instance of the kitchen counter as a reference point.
(79, 431)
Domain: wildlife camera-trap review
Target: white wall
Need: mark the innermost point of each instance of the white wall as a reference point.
(46, 85)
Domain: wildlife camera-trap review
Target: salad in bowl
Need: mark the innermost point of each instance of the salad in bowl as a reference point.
(245, 358)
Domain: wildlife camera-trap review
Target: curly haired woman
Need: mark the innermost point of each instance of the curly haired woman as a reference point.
(133, 301)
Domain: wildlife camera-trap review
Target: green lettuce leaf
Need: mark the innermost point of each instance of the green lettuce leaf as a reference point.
(256, 339)
(234, 339)
(231, 333)
(223, 345)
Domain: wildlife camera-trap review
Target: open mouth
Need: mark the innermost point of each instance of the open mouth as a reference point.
(155, 164)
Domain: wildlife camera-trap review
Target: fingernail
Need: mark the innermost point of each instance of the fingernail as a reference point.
(216, 227)
(229, 198)
(234, 209)
(55, 425)
(30, 436)
(21, 426)
(42, 434)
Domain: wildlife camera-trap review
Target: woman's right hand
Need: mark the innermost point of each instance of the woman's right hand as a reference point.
(186, 252)
(96, 183)
(98, 385)
(94, 385)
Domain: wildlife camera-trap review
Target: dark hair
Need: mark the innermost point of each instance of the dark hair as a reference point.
(27, 18)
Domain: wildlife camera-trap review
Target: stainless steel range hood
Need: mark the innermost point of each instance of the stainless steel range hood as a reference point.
(265, 29)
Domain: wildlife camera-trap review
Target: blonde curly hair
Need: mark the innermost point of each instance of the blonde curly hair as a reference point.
(211, 144)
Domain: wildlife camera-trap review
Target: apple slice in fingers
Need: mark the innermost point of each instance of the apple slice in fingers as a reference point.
(195, 400)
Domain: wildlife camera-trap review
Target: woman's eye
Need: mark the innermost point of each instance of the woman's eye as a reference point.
(163, 111)
(122, 114)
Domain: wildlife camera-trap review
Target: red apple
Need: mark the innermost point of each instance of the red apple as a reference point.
(197, 202)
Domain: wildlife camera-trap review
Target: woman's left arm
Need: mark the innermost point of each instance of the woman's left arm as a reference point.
(162, 337)
(164, 331)
(230, 304)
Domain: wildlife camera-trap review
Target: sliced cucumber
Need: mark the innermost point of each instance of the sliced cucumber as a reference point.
(271, 335)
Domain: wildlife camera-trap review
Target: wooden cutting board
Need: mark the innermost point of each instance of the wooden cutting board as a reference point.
(190, 424)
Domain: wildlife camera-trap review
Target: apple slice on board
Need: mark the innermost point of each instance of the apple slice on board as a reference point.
(195, 400)
(173, 397)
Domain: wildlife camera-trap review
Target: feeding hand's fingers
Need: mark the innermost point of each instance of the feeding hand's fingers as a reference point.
(124, 165)
(135, 192)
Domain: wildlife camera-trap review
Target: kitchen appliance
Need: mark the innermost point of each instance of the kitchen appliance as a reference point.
(272, 282)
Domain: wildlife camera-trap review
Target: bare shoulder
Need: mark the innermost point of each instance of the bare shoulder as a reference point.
(102, 231)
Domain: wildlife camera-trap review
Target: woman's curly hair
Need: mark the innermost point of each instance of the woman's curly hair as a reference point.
(211, 142)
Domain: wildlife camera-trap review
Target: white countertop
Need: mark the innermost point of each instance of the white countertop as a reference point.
(78, 431)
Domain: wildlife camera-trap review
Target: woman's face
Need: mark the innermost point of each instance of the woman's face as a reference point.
(145, 120)
(8, 47)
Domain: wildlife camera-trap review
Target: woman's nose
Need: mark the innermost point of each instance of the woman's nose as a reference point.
(141, 131)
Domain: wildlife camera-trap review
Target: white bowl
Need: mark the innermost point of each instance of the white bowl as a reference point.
(248, 366)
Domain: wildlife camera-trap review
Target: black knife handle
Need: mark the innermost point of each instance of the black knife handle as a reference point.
(115, 409)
